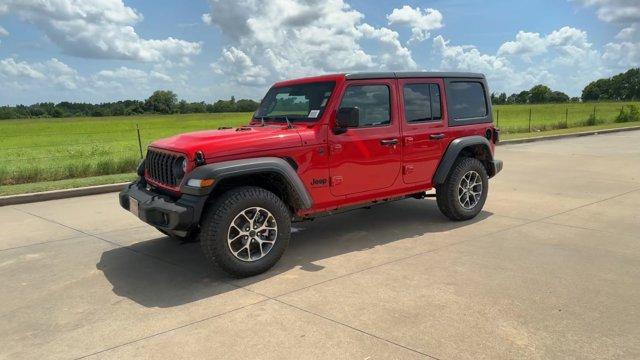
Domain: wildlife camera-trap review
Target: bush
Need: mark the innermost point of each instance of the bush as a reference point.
(593, 120)
(632, 114)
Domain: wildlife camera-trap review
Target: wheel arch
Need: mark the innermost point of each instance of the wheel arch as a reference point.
(271, 173)
(469, 146)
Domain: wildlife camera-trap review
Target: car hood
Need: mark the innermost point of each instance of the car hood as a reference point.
(224, 142)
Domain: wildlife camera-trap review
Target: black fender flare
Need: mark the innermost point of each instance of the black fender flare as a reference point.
(227, 169)
(452, 152)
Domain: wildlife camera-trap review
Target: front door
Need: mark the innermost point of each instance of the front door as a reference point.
(367, 157)
(423, 129)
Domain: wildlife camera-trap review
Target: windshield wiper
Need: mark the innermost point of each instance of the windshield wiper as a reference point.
(275, 117)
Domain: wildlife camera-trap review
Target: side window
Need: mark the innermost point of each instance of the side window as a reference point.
(373, 102)
(467, 100)
(422, 102)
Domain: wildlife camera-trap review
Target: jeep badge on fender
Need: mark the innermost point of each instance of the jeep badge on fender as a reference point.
(382, 136)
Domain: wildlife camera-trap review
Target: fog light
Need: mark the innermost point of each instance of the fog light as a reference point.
(200, 183)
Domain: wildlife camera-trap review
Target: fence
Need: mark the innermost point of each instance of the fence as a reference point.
(532, 118)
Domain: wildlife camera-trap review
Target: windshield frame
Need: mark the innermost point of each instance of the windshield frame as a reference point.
(295, 117)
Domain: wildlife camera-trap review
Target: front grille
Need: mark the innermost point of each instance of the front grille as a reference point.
(160, 167)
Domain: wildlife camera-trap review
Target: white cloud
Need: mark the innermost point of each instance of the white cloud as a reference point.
(3, 31)
(420, 21)
(567, 40)
(394, 55)
(239, 63)
(469, 58)
(619, 56)
(568, 66)
(206, 18)
(616, 11)
(628, 33)
(62, 74)
(97, 29)
(265, 41)
(568, 36)
(130, 75)
(9, 68)
(622, 55)
(51, 72)
(527, 44)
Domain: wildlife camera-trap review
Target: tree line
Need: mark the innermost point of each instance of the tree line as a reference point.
(160, 102)
(622, 87)
(539, 94)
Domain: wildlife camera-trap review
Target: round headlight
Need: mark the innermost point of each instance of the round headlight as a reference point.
(180, 167)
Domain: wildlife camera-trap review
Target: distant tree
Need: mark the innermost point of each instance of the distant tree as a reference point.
(7, 112)
(539, 94)
(558, 97)
(225, 105)
(502, 98)
(522, 97)
(183, 107)
(245, 105)
(161, 101)
(596, 90)
(624, 86)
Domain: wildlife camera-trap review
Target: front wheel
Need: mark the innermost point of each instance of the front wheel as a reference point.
(464, 192)
(246, 231)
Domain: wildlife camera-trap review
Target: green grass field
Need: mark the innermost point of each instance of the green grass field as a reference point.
(36, 150)
(544, 117)
(48, 151)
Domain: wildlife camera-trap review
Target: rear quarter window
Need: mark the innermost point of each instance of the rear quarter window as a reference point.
(467, 101)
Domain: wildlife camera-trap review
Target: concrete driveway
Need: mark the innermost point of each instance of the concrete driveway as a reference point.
(550, 269)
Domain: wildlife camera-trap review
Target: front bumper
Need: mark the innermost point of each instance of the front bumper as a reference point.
(177, 216)
(496, 166)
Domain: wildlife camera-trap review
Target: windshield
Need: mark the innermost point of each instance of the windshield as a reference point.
(304, 102)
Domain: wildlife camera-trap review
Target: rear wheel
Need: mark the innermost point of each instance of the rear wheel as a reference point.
(464, 192)
(246, 231)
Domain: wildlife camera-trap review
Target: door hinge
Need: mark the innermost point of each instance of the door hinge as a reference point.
(408, 140)
(408, 169)
(336, 180)
(335, 148)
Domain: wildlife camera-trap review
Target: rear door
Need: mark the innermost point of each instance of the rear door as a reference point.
(367, 157)
(423, 128)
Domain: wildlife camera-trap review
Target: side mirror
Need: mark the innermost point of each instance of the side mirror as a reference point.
(347, 117)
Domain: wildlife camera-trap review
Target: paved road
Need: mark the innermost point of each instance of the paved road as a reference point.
(551, 269)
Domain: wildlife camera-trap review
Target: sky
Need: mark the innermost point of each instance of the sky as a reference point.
(106, 50)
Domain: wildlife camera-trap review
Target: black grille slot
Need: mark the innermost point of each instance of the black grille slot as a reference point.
(160, 167)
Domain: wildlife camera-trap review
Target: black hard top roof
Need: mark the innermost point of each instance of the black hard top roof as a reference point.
(412, 74)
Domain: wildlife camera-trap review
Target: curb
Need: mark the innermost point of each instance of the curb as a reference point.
(60, 194)
(564, 136)
(102, 189)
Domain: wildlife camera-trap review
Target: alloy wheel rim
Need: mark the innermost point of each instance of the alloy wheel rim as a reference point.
(470, 190)
(252, 234)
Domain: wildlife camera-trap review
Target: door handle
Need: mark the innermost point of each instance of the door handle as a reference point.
(436, 136)
(389, 142)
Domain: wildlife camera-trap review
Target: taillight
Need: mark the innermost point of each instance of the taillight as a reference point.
(488, 134)
(492, 134)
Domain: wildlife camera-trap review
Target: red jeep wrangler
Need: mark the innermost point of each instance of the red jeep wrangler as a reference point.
(319, 145)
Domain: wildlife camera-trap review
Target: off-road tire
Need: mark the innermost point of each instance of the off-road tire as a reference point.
(447, 194)
(214, 229)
